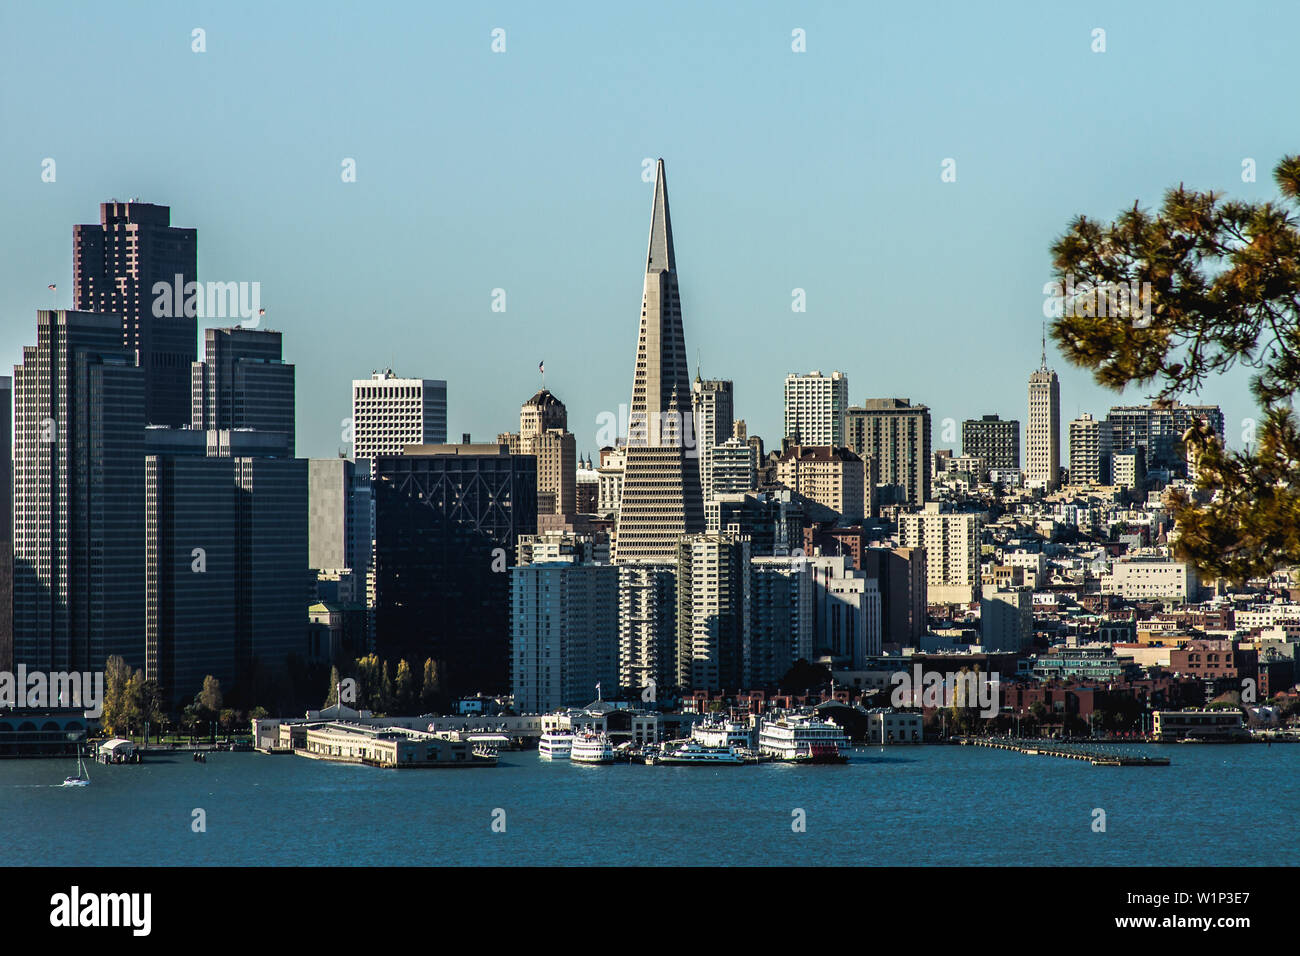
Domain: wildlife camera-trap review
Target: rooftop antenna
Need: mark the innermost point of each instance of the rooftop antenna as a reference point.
(1044, 365)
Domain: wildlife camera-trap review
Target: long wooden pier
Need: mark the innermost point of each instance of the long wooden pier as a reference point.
(1097, 756)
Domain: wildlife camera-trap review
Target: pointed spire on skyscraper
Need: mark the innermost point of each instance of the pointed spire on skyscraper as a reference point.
(660, 258)
(1043, 366)
(661, 497)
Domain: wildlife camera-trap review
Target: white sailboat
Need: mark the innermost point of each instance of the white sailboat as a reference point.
(81, 779)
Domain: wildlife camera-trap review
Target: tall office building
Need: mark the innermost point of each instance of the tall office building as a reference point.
(1090, 451)
(952, 552)
(225, 570)
(191, 573)
(713, 404)
(713, 611)
(389, 413)
(647, 626)
(1158, 429)
(446, 522)
(815, 408)
(1043, 431)
(79, 593)
(896, 434)
(339, 507)
(994, 440)
(781, 625)
(6, 524)
(243, 382)
(116, 265)
(901, 575)
(544, 434)
(564, 634)
(661, 498)
(846, 611)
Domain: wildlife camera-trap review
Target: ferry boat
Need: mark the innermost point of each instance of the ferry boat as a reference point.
(555, 745)
(591, 748)
(695, 754)
(803, 738)
(725, 733)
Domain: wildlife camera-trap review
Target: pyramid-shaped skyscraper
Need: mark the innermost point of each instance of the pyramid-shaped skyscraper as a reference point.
(661, 497)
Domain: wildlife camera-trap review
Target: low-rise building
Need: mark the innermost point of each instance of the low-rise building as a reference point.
(1199, 725)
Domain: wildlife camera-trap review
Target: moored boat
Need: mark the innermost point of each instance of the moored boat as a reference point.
(695, 754)
(591, 749)
(555, 745)
(802, 738)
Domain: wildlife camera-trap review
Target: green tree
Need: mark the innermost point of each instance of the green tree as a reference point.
(385, 691)
(1224, 291)
(149, 704)
(116, 709)
(430, 689)
(207, 703)
(332, 696)
(404, 688)
(210, 696)
(132, 701)
(368, 682)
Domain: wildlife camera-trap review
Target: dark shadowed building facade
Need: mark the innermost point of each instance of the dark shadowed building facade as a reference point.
(446, 521)
(226, 578)
(78, 496)
(6, 524)
(116, 264)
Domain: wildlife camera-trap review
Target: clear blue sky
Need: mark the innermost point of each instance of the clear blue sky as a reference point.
(522, 171)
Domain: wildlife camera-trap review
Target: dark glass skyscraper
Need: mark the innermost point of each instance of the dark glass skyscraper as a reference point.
(116, 265)
(243, 382)
(79, 432)
(6, 524)
(446, 521)
(226, 570)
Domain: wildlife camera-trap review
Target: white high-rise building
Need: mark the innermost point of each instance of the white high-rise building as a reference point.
(846, 610)
(1043, 430)
(815, 406)
(713, 404)
(733, 468)
(713, 610)
(563, 633)
(389, 413)
(1090, 451)
(952, 552)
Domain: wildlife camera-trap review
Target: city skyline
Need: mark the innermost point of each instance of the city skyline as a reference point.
(412, 287)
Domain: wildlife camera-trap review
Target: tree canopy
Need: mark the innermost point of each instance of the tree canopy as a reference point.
(1215, 284)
